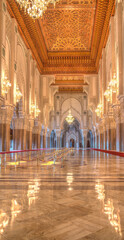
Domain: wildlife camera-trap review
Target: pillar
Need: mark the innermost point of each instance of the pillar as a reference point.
(120, 46)
(3, 11)
(19, 133)
(122, 123)
(6, 113)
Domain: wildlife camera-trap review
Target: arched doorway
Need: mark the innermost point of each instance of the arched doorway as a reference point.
(71, 136)
(72, 143)
(11, 137)
(89, 139)
(53, 139)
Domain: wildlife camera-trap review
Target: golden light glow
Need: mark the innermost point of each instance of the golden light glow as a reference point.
(4, 220)
(113, 84)
(35, 8)
(108, 208)
(5, 85)
(69, 180)
(100, 190)
(99, 110)
(70, 118)
(33, 189)
(35, 110)
(18, 94)
(49, 163)
(112, 88)
(15, 163)
(15, 209)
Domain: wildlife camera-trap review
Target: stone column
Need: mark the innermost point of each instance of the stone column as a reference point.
(6, 113)
(107, 135)
(104, 139)
(116, 111)
(122, 123)
(97, 140)
(3, 11)
(13, 69)
(29, 129)
(44, 141)
(58, 132)
(120, 46)
(19, 133)
(36, 134)
(113, 134)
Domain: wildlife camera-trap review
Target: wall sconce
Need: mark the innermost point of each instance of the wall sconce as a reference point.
(18, 94)
(5, 86)
(113, 84)
(108, 94)
(32, 108)
(35, 110)
(98, 110)
(112, 88)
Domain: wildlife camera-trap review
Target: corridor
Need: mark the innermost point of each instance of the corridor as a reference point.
(79, 197)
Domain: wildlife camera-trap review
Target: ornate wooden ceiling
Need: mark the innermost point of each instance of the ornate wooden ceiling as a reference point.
(69, 28)
(69, 39)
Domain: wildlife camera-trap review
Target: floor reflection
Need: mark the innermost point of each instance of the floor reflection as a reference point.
(59, 201)
(69, 180)
(33, 189)
(108, 208)
(15, 210)
(4, 221)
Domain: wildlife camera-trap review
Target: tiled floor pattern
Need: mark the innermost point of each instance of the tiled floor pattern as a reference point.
(80, 198)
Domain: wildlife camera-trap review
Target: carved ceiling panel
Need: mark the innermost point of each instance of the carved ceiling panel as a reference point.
(68, 29)
(70, 37)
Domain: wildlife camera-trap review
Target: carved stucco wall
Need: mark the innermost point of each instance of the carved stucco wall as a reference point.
(78, 103)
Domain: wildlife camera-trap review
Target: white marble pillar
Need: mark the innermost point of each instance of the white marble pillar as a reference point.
(120, 47)
(14, 35)
(3, 11)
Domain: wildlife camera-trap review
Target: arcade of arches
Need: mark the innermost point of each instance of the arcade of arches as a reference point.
(49, 87)
(58, 179)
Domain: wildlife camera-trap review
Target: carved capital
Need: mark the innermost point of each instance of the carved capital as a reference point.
(116, 113)
(6, 113)
(37, 127)
(121, 109)
(20, 122)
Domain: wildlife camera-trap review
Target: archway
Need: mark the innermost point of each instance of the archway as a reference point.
(72, 143)
(71, 136)
(11, 136)
(90, 139)
(53, 139)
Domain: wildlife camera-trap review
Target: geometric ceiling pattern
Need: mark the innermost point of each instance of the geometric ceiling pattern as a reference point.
(67, 28)
(70, 37)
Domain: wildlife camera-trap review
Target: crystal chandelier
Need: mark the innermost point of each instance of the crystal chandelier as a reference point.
(70, 118)
(35, 8)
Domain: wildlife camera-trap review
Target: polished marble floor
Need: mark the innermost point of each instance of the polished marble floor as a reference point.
(78, 198)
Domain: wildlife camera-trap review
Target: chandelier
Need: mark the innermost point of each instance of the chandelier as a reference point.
(35, 8)
(69, 118)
